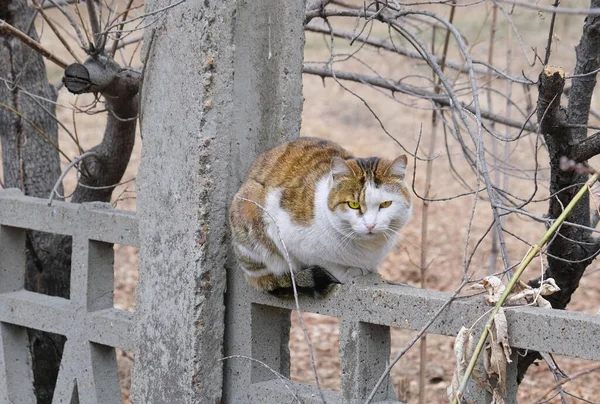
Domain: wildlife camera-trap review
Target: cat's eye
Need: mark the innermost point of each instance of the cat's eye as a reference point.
(354, 205)
(385, 204)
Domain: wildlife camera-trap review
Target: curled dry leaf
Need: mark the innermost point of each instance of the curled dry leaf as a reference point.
(529, 295)
(494, 287)
(548, 287)
(521, 294)
(501, 328)
(464, 347)
(497, 353)
(543, 303)
(497, 397)
(462, 360)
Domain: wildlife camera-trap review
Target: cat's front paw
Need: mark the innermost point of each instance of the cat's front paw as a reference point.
(351, 273)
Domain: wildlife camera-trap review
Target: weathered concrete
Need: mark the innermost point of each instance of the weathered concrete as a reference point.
(365, 353)
(369, 299)
(366, 308)
(269, 43)
(16, 377)
(88, 371)
(99, 220)
(183, 183)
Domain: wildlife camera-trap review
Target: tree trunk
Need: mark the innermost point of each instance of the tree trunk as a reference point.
(32, 164)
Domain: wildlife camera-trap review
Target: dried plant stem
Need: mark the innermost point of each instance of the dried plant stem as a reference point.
(495, 250)
(284, 380)
(37, 128)
(99, 39)
(412, 342)
(9, 29)
(568, 379)
(533, 251)
(73, 23)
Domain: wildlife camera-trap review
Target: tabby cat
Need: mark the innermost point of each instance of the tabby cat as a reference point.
(337, 215)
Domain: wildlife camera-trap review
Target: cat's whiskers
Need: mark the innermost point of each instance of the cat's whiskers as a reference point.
(399, 234)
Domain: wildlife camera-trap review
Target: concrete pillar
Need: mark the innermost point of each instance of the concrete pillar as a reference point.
(222, 83)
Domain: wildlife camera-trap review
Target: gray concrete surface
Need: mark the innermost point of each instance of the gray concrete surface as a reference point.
(88, 372)
(267, 94)
(366, 308)
(183, 182)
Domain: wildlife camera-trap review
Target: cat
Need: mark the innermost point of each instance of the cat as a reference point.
(337, 215)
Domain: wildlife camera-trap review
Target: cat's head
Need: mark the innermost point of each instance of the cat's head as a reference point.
(368, 196)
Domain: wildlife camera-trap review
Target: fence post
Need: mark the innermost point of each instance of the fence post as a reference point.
(269, 43)
(186, 110)
(202, 125)
(364, 354)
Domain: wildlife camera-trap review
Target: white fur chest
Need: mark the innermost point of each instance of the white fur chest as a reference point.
(321, 243)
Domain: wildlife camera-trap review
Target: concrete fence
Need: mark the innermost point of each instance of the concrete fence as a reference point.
(366, 308)
(222, 83)
(92, 325)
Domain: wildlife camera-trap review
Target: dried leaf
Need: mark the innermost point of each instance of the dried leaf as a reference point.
(520, 286)
(461, 344)
(548, 287)
(501, 326)
(522, 297)
(528, 294)
(497, 352)
(541, 302)
(497, 397)
(494, 287)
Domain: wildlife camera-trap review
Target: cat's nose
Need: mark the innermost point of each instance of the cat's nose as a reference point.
(370, 227)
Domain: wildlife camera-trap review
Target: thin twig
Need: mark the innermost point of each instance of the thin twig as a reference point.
(160, 10)
(276, 373)
(425, 209)
(85, 31)
(99, 39)
(118, 34)
(37, 128)
(410, 90)
(552, 9)
(550, 35)
(75, 161)
(54, 29)
(9, 29)
(71, 20)
(568, 379)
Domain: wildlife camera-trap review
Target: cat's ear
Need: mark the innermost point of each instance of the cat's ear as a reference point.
(397, 167)
(339, 168)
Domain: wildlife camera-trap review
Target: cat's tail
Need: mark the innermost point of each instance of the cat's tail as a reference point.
(313, 281)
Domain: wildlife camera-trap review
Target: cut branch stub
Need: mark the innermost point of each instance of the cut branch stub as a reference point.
(551, 85)
(77, 78)
(120, 87)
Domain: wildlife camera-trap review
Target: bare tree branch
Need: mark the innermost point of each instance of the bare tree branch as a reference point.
(586, 149)
(120, 88)
(55, 30)
(412, 91)
(594, 10)
(389, 46)
(9, 29)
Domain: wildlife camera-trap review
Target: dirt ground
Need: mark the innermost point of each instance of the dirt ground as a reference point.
(333, 113)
